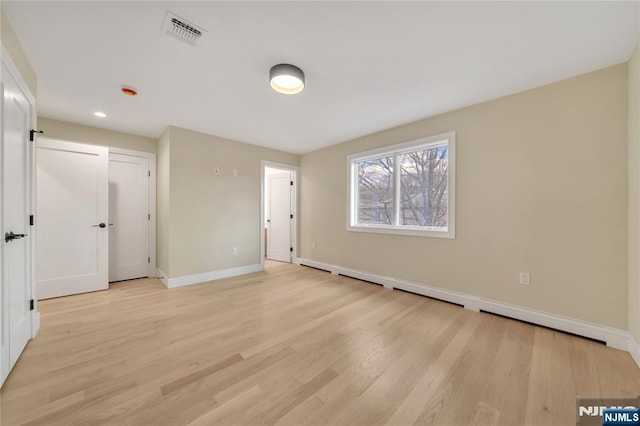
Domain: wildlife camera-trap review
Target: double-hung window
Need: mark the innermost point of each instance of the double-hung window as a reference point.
(407, 188)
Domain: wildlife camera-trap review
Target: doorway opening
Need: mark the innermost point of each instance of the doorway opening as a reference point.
(278, 214)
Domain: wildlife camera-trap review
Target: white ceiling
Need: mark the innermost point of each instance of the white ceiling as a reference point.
(369, 65)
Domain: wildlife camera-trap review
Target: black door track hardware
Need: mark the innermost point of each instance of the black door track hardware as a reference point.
(32, 132)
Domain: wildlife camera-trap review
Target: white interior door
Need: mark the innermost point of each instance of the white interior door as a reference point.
(279, 216)
(72, 218)
(130, 215)
(16, 206)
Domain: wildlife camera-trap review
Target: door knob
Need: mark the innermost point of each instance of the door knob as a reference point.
(100, 225)
(10, 236)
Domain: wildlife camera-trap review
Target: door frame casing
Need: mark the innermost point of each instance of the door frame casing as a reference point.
(294, 205)
(152, 199)
(7, 60)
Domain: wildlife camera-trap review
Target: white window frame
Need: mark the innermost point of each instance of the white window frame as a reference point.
(395, 151)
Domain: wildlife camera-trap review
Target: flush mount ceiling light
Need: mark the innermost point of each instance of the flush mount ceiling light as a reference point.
(100, 114)
(287, 79)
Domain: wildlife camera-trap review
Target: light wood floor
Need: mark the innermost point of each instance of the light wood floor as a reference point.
(297, 346)
(268, 263)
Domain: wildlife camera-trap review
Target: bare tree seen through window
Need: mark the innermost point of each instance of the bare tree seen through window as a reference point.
(423, 189)
(375, 191)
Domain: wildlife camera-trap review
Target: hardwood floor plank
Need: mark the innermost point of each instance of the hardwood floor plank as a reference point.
(176, 385)
(219, 414)
(484, 415)
(514, 361)
(302, 414)
(420, 401)
(300, 395)
(539, 392)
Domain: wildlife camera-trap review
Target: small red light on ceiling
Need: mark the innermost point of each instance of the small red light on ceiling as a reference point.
(129, 91)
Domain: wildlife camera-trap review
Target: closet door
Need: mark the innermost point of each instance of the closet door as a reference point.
(72, 217)
(129, 212)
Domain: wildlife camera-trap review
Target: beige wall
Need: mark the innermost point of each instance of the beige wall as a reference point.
(94, 136)
(634, 193)
(541, 188)
(162, 200)
(210, 213)
(11, 43)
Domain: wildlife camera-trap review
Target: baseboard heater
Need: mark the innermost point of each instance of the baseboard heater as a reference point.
(430, 297)
(360, 279)
(316, 268)
(484, 311)
(602, 342)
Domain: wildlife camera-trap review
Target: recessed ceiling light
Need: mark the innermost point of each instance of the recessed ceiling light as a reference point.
(100, 114)
(287, 79)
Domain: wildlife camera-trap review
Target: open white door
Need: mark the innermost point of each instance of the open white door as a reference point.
(72, 215)
(130, 214)
(279, 216)
(16, 284)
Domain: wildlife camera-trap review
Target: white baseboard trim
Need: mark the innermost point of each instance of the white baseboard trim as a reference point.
(35, 323)
(634, 350)
(207, 276)
(614, 337)
(162, 277)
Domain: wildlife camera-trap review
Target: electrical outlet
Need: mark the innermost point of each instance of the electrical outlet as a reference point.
(234, 172)
(313, 245)
(524, 278)
(234, 250)
(217, 170)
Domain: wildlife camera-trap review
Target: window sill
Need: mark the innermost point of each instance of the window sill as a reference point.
(449, 234)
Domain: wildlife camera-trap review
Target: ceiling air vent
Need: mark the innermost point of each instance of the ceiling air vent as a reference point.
(182, 29)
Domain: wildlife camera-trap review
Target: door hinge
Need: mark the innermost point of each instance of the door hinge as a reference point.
(149, 216)
(291, 216)
(31, 305)
(31, 220)
(291, 249)
(149, 173)
(148, 260)
(31, 133)
(291, 183)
